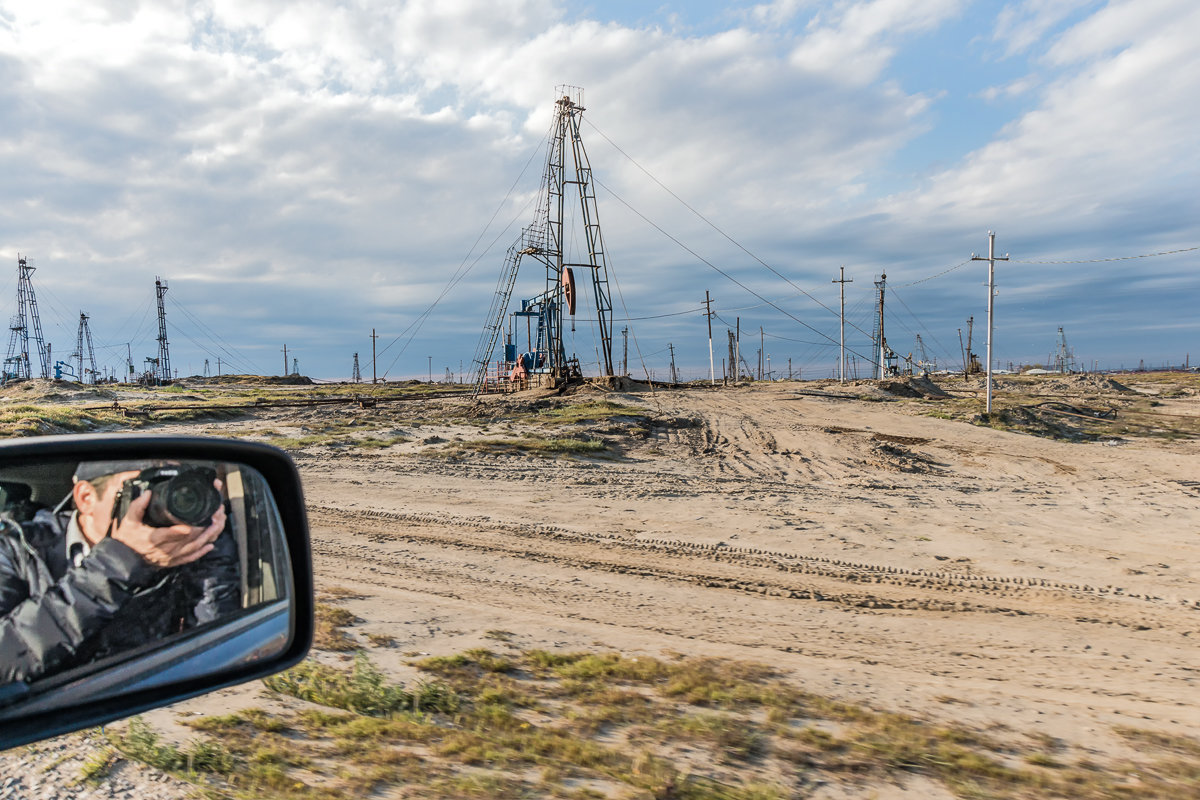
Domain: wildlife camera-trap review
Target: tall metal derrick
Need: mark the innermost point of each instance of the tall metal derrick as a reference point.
(17, 364)
(83, 348)
(568, 172)
(163, 364)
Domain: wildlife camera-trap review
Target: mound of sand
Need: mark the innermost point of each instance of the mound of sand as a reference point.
(915, 386)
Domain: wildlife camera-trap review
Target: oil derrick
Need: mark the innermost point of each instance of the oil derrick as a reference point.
(567, 165)
(83, 347)
(886, 360)
(356, 374)
(207, 374)
(163, 362)
(295, 366)
(1064, 356)
(16, 363)
(973, 367)
(925, 364)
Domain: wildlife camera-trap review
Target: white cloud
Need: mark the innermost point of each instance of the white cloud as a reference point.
(858, 39)
(1021, 25)
(1105, 137)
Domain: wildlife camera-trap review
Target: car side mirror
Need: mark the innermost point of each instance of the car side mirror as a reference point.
(137, 571)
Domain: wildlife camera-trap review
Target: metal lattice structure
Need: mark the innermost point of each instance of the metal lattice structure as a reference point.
(356, 374)
(83, 348)
(568, 175)
(163, 363)
(17, 364)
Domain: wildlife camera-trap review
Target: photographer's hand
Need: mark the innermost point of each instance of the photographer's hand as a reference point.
(166, 547)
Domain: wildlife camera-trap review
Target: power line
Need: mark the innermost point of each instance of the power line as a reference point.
(937, 275)
(713, 266)
(708, 222)
(1118, 258)
(463, 268)
(660, 316)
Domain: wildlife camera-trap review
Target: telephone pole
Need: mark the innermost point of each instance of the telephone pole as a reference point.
(285, 361)
(842, 317)
(625, 354)
(712, 373)
(737, 364)
(992, 258)
(674, 374)
(374, 380)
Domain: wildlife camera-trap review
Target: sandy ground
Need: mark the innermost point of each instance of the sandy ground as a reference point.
(1012, 583)
(903, 561)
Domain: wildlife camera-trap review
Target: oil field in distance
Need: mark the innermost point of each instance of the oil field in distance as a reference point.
(769, 589)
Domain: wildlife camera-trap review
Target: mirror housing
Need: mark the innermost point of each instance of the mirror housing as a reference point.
(260, 641)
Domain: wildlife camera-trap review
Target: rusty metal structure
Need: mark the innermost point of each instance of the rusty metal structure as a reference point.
(567, 179)
(84, 349)
(162, 364)
(17, 365)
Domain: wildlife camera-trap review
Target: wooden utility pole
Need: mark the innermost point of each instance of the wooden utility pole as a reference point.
(992, 258)
(712, 373)
(285, 371)
(374, 380)
(737, 356)
(625, 351)
(842, 317)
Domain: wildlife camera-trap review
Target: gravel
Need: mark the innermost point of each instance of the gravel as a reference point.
(53, 770)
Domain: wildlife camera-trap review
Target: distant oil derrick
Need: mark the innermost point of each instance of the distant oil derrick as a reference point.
(356, 374)
(162, 364)
(83, 348)
(17, 364)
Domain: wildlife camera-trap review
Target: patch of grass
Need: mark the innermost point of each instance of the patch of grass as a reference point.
(328, 633)
(141, 743)
(1173, 743)
(534, 445)
(96, 768)
(41, 420)
(588, 411)
(734, 738)
(373, 443)
(543, 723)
(381, 640)
(363, 689)
(469, 662)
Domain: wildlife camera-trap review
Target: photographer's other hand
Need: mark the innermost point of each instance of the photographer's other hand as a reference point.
(166, 547)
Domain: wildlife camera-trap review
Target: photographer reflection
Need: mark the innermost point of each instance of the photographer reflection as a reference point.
(144, 553)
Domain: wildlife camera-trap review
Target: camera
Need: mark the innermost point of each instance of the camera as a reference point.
(179, 495)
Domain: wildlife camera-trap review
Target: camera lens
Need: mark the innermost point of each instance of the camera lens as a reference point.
(190, 499)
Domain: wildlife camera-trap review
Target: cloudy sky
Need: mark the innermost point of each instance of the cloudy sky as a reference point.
(303, 171)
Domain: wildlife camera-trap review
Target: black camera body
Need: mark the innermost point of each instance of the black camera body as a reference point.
(179, 495)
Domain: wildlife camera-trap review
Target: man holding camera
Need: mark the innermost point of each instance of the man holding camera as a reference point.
(80, 585)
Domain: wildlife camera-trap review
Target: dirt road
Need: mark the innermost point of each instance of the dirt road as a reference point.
(905, 561)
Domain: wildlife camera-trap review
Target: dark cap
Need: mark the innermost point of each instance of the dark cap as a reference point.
(90, 470)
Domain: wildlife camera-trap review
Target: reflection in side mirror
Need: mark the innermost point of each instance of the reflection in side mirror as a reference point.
(149, 578)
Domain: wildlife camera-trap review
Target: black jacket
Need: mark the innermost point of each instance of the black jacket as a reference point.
(54, 616)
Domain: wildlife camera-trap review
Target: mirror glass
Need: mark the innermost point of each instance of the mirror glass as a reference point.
(120, 576)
